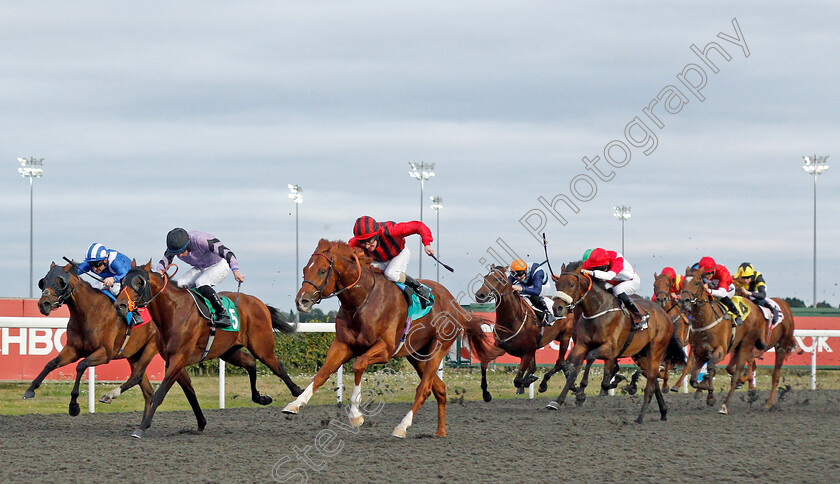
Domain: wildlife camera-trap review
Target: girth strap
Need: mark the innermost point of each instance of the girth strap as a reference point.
(209, 343)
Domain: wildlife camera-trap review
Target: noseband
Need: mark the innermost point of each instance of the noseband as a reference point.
(320, 288)
(560, 294)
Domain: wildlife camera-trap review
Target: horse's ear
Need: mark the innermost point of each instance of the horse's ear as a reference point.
(563, 268)
(688, 270)
(133, 263)
(52, 264)
(148, 265)
(655, 274)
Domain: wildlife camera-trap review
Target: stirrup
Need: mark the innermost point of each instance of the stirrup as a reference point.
(642, 324)
(222, 322)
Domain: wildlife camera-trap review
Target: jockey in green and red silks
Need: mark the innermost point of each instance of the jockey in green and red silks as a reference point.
(619, 276)
(385, 243)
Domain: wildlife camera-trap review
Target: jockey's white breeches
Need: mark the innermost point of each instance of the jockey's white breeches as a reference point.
(628, 287)
(210, 276)
(396, 266)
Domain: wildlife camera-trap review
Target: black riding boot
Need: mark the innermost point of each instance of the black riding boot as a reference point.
(732, 309)
(776, 313)
(639, 321)
(220, 318)
(545, 316)
(423, 292)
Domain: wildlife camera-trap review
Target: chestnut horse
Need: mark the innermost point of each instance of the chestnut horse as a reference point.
(371, 327)
(518, 333)
(780, 338)
(94, 332)
(603, 332)
(184, 333)
(712, 336)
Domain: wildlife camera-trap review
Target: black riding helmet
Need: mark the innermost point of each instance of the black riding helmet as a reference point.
(177, 241)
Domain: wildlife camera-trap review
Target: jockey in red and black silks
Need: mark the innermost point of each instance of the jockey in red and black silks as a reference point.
(385, 243)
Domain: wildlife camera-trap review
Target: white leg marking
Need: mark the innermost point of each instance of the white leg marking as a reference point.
(401, 429)
(300, 401)
(356, 417)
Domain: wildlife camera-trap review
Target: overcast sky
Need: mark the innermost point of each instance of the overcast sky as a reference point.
(154, 115)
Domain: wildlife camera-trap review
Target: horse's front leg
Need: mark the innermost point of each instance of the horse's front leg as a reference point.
(98, 357)
(378, 353)
(68, 355)
(338, 354)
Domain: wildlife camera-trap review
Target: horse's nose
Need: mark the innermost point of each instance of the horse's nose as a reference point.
(304, 303)
(45, 307)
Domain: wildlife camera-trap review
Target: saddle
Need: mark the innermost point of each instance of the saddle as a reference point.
(739, 304)
(206, 309)
(768, 314)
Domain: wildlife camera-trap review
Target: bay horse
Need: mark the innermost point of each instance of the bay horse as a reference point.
(95, 334)
(184, 332)
(662, 295)
(712, 337)
(371, 326)
(602, 332)
(517, 332)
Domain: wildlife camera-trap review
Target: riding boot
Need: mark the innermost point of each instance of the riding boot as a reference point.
(220, 316)
(424, 294)
(134, 319)
(732, 309)
(545, 316)
(639, 321)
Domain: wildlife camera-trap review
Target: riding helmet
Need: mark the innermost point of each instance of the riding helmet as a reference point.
(177, 241)
(365, 228)
(745, 270)
(96, 252)
(597, 258)
(670, 272)
(707, 264)
(518, 265)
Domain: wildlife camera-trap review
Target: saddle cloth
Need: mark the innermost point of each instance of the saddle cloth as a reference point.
(415, 310)
(206, 309)
(739, 304)
(768, 314)
(143, 312)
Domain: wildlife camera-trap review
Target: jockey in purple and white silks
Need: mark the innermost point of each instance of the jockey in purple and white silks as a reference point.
(211, 262)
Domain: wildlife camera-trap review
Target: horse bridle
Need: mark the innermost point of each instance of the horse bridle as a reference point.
(572, 305)
(64, 295)
(522, 309)
(319, 289)
(144, 293)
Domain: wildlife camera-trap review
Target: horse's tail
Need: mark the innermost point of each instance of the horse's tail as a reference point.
(279, 323)
(674, 352)
(480, 343)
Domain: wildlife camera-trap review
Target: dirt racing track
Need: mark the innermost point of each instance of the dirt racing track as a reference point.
(501, 441)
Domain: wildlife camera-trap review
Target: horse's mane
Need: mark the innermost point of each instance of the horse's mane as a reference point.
(573, 265)
(341, 248)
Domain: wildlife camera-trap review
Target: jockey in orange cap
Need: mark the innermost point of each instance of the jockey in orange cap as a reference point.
(610, 267)
(718, 282)
(529, 282)
(385, 243)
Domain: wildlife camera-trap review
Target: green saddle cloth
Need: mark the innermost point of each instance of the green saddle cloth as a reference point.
(415, 310)
(227, 304)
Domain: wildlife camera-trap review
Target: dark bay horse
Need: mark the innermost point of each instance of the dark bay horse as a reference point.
(95, 334)
(602, 332)
(671, 304)
(518, 333)
(712, 337)
(371, 323)
(184, 334)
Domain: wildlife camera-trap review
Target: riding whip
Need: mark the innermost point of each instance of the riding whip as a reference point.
(545, 248)
(441, 263)
(236, 303)
(86, 273)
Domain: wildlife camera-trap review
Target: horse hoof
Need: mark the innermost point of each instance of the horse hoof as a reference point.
(675, 389)
(74, 409)
(105, 399)
(632, 390)
(723, 410)
(399, 433)
(520, 390)
(265, 400)
(29, 395)
(552, 405)
(487, 397)
(357, 421)
(580, 400)
(543, 388)
(138, 434)
(291, 409)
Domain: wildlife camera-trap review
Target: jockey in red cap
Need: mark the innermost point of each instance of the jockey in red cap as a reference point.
(609, 266)
(676, 285)
(718, 282)
(385, 243)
